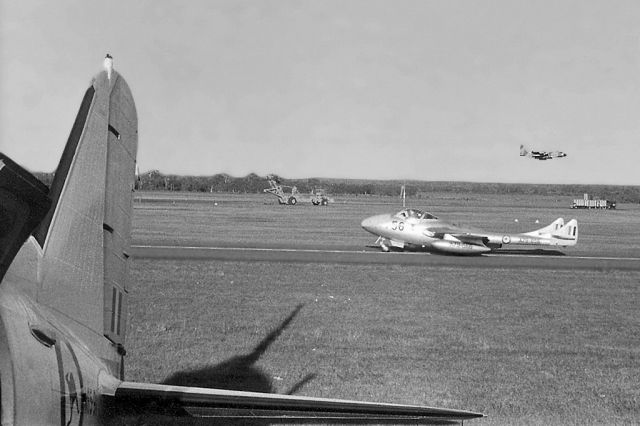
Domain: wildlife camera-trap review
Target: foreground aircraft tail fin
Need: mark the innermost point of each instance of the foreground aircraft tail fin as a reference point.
(226, 406)
(549, 229)
(523, 151)
(568, 233)
(85, 237)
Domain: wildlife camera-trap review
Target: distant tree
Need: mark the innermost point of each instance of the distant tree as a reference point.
(252, 183)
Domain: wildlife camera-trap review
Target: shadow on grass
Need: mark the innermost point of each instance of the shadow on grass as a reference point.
(239, 373)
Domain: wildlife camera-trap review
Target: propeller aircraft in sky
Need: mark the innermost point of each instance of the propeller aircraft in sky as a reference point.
(540, 155)
(415, 229)
(64, 285)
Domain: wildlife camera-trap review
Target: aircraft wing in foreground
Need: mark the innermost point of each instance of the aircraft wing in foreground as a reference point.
(416, 229)
(64, 286)
(237, 405)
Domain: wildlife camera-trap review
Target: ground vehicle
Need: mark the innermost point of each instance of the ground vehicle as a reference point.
(290, 194)
(319, 197)
(586, 203)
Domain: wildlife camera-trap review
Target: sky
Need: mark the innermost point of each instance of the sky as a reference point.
(366, 89)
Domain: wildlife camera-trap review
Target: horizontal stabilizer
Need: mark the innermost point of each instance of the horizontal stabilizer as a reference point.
(225, 404)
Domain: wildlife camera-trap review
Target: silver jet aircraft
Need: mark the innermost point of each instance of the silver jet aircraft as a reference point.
(541, 155)
(416, 229)
(64, 285)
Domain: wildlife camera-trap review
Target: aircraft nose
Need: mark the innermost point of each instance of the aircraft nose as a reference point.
(373, 223)
(367, 223)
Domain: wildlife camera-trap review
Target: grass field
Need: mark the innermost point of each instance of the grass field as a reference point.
(195, 219)
(524, 346)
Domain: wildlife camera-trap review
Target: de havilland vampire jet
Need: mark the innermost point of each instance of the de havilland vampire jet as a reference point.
(541, 155)
(64, 285)
(415, 229)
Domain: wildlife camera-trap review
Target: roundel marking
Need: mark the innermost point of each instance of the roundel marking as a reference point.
(506, 239)
(72, 392)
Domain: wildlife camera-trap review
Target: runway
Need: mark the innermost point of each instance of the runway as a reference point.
(535, 259)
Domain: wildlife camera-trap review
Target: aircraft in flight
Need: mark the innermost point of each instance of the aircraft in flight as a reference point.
(419, 230)
(540, 155)
(64, 286)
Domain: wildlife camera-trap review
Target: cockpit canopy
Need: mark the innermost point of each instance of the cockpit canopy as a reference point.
(414, 214)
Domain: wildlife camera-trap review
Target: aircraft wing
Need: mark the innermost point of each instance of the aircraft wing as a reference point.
(146, 398)
(441, 231)
(479, 240)
(460, 234)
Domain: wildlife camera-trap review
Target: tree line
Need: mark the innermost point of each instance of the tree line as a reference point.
(252, 183)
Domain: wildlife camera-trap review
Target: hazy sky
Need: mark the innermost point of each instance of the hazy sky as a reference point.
(430, 90)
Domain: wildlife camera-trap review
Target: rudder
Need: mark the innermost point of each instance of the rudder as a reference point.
(86, 237)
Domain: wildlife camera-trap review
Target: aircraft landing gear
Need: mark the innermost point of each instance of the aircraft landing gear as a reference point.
(381, 242)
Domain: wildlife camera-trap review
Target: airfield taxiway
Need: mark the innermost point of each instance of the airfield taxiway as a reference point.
(531, 259)
(537, 336)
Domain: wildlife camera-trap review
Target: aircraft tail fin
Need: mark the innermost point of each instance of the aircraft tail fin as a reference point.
(549, 229)
(523, 151)
(568, 233)
(85, 237)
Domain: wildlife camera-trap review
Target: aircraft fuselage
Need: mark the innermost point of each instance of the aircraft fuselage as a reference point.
(48, 375)
(414, 233)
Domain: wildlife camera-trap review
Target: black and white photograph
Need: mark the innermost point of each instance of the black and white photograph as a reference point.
(261, 212)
